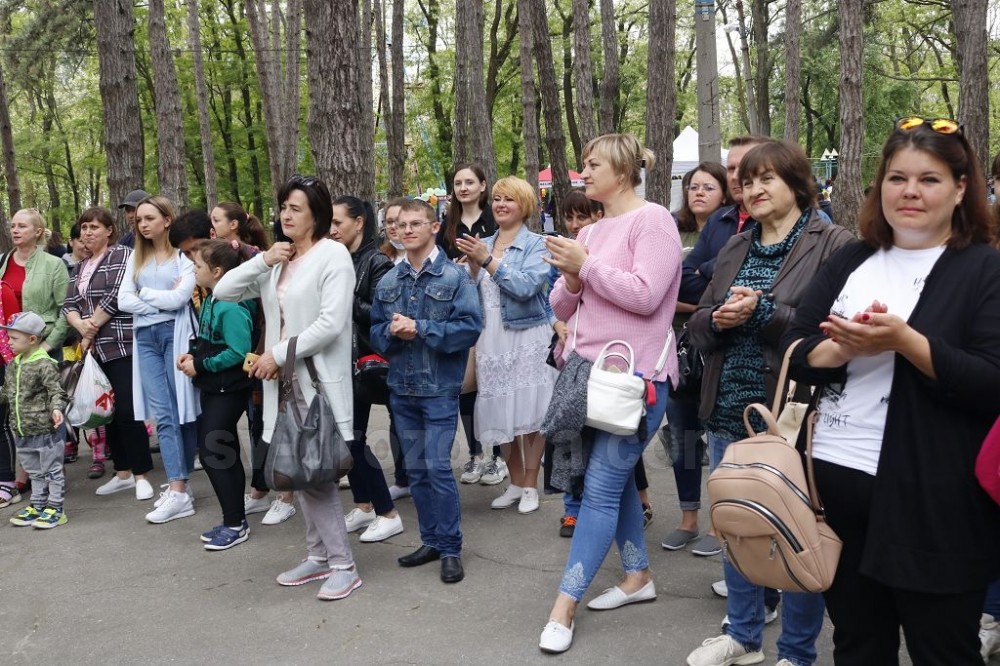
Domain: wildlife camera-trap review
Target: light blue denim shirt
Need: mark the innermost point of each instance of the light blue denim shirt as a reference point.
(522, 276)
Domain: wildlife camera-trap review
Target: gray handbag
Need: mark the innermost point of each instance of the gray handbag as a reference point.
(305, 452)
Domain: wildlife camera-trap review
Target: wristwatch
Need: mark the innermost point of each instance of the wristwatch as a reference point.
(488, 261)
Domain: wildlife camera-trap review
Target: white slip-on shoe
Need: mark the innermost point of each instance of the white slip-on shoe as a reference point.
(510, 497)
(556, 638)
(357, 519)
(143, 490)
(398, 492)
(529, 501)
(382, 528)
(115, 484)
(614, 597)
(255, 505)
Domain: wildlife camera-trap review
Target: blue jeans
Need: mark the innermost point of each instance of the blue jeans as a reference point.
(992, 605)
(178, 443)
(684, 449)
(571, 505)
(611, 509)
(426, 429)
(802, 614)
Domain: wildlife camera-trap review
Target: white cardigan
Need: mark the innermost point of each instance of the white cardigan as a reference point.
(317, 308)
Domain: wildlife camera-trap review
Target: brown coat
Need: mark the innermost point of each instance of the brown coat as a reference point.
(818, 241)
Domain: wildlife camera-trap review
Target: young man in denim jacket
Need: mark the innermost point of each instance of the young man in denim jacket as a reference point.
(425, 317)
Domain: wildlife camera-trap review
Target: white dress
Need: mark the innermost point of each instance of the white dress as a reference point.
(514, 382)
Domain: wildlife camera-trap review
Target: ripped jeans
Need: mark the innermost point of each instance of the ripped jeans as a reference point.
(611, 509)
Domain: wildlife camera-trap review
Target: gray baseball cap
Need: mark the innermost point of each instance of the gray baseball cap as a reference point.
(26, 322)
(133, 198)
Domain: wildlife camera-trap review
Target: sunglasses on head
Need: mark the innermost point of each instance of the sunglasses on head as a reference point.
(303, 181)
(939, 125)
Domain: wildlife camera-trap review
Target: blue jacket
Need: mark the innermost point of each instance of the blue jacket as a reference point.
(444, 302)
(521, 276)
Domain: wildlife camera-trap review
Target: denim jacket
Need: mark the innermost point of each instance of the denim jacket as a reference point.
(444, 302)
(522, 276)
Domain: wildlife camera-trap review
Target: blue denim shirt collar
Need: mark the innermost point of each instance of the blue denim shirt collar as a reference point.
(519, 241)
(436, 268)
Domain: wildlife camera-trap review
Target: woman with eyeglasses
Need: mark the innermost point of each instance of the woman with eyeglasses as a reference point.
(306, 286)
(515, 382)
(900, 333)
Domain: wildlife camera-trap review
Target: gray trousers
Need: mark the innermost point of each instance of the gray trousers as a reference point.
(41, 457)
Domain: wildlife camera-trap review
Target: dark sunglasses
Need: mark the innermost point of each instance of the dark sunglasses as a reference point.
(303, 181)
(939, 125)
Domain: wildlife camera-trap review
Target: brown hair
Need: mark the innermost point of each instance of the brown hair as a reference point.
(417, 205)
(970, 221)
(748, 140)
(789, 162)
(386, 247)
(224, 254)
(143, 246)
(686, 221)
(453, 217)
(624, 153)
(102, 216)
(248, 227)
(576, 202)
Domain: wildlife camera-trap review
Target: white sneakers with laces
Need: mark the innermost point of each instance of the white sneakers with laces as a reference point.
(382, 528)
(278, 513)
(723, 651)
(173, 505)
(473, 470)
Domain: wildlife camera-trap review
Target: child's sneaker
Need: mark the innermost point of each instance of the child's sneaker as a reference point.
(70, 453)
(227, 537)
(8, 495)
(25, 517)
(50, 518)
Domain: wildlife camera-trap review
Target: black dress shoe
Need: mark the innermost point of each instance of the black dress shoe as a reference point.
(451, 569)
(421, 555)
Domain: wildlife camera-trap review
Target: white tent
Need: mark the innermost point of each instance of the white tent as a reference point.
(685, 159)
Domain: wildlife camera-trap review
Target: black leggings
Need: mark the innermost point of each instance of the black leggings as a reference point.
(126, 437)
(219, 449)
(467, 412)
(7, 453)
(367, 479)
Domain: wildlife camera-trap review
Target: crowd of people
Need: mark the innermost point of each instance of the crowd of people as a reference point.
(194, 319)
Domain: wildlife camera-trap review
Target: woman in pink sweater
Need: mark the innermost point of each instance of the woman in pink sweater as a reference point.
(619, 282)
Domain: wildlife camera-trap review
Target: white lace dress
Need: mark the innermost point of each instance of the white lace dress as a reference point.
(514, 382)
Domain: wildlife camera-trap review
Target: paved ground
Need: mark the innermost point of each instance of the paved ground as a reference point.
(109, 587)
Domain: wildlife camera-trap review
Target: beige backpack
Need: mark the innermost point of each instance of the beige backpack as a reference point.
(765, 509)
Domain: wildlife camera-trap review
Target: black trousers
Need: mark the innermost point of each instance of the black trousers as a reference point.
(467, 413)
(126, 437)
(219, 449)
(940, 629)
(367, 479)
(7, 451)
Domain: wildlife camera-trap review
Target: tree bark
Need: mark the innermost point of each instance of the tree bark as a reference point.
(749, 80)
(367, 100)
(661, 100)
(709, 127)
(201, 94)
(567, 82)
(336, 121)
(529, 98)
(431, 10)
(611, 83)
(169, 114)
(397, 118)
(386, 102)
(793, 69)
(248, 107)
(7, 144)
(848, 195)
(555, 140)
(120, 99)
(762, 74)
(481, 127)
(583, 71)
(971, 39)
(462, 146)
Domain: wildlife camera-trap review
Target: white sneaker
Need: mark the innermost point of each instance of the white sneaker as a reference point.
(114, 485)
(556, 638)
(473, 470)
(344, 483)
(143, 490)
(723, 651)
(382, 528)
(510, 497)
(197, 465)
(784, 662)
(989, 636)
(251, 505)
(495, 472)
(357, 519)
(278, 513)
(163, 495)
(529, 501)
(175, 505)
(719, 589)
(398, 492)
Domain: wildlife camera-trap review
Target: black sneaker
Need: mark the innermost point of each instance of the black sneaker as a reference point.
(568, 527)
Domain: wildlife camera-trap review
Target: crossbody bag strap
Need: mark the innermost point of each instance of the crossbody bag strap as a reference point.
(780, 392)
(289, 370)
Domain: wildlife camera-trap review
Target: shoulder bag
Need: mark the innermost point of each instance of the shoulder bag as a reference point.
(305, 452)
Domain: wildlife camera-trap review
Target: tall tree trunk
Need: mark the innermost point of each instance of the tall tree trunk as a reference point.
(661, 100)
(848, 195)
(394, 142)
(973, 94)
(201, 94)
(481, 127)
(367, 95)
(583, 71)
(762, 74)
(499, 47)
(249, 121)
(462, 146)
(709, 127)
(336, 121)
(397, 118)
(567, 82)
(741, 91)
(749, 81)
(169, 118)
(555, 140)
(120, 99)
(793, 69)
(7, 145)
(279, 82)
(431, 10)
(529, 97)
(610, 83)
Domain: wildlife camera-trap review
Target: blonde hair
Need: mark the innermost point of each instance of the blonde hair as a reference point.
(624, 153)
(144, 248)
(520, 191)
(38, 222)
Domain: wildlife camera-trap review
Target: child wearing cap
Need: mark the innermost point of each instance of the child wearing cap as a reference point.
(36, 399)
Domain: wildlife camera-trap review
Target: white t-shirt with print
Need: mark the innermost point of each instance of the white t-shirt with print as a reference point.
(851, 416)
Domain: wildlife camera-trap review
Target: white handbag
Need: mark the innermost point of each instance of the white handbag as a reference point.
(616, 399)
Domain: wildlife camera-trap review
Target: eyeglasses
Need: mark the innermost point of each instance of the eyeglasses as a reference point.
(403, 226)
(303, 181)
(939, 125)
(707, 189)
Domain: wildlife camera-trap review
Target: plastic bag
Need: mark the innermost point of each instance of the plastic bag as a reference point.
(93, 402)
